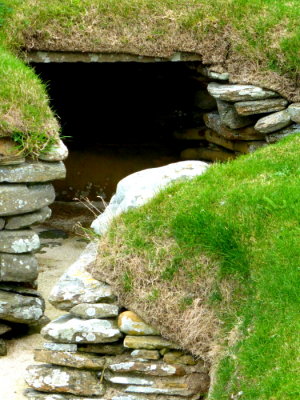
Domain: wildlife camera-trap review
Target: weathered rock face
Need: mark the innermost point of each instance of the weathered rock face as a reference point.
(25, 220)
(89, 311)
(131, 324)
(58, 152)
(32, 172)
(16, 242)
(294, 112)
(138, 188)
(260, 106)
(235, 93)
(273, 122)
(230, 117)
(18, 268)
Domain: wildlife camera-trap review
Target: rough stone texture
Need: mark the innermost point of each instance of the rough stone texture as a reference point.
(60, 346)
(241, 146)
(22, 241)
(146, 354)
(58, 152)
(4, 328)
(273, 122)
(234, 93)
(3, 348)
(31, 171)
(9, 154)
(19, 198)
(25, 220)
(211, 153)
(138, 188)
(155, 369)
(260, 106)
(213, 122)
(88, 311)
(67, 329)
(34, 395)
(109, 349)
(77, 286)
(204, 100)
(18, 268)
(230, 117)
(275, 137)
(2, 223)
(148, 343)
(18, 308)
(47, 378)
(294, 112)
(177, 357)
(132, 324)
(70, 359)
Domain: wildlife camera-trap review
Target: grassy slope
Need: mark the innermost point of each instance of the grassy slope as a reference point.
(244, 215)
(271, 40)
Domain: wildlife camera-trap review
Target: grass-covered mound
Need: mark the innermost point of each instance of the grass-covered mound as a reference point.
(214, 263)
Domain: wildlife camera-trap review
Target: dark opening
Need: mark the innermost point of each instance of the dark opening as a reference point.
(121, 118)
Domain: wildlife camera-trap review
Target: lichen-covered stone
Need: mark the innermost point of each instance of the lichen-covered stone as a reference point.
(230, 117)
(19, 198)
(68, 347)
(67, 329)
(16, 242)
(153, 368)
(77, 286)
(235, 93)
(25, 220)
(18, 308)
(70, 359)
(213, 121)
(275, 137)
(130, 323)
(273, 122)
(18, 268)
(88, 311)
(46, 378)
(58, 152)
(246, 108)
(32, 171)
(108, 349)
(294, 112)
(145, 354)
(148, 343)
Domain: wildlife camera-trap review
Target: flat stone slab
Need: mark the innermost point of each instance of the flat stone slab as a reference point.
(246, 108)
(294, 112)
(70, 359)
(155, 369)
(89, 311)
(77, 286)
(18, 308)
(20, 198)
(31, 171)
(233, 93)
(18, 268)
(67, 329)
(16, 242)
(145, 354)
(46, 378)
(148, 343)
(60, 347)
(131, 324)
(136, 189)
(230, 117)
(107, 349)
(273, 122)
(31, 394)
(25, 220)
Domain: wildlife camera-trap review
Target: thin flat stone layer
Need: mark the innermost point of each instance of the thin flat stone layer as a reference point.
(77, 286)
(70, 359)
(31, 171)
(273, 122)
(18, 308)
(132, 324)
(20, 198)
(145, 354)
(67, 329)
(89, 311)
(233, 93)
(16, 242)
(109, 349)
(148, 343)
(34, 395)
(246, 108)
(60, 347)
(47, 378)
(25, 220)
(155, 369)
(230, 117)
(18, 268)
(294, 112)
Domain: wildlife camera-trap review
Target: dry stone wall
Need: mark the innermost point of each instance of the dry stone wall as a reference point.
(25, 194)
(99, 350)
(237, 119)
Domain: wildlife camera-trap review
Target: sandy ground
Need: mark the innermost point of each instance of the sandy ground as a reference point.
(54, 258)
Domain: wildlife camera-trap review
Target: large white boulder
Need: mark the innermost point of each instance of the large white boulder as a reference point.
(138, 188)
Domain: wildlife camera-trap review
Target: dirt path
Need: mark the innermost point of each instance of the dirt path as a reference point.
(54, 259)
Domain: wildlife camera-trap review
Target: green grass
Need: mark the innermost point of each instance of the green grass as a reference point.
(246, 215)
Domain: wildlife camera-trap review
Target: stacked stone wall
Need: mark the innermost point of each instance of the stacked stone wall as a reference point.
(25, 194)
